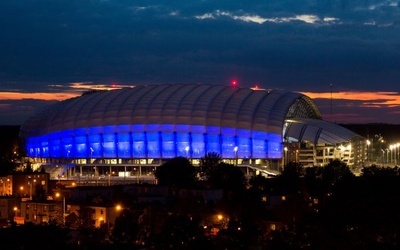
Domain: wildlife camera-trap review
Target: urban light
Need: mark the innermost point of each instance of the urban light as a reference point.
(63, 205)
(236, 154)
(118, 207)
(285, 160)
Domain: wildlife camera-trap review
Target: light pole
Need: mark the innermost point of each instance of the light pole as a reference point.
(63, 206)
(285, 159)
(30, 186)
(235, 149)
(387, 155)
(391, 154)
(383, 156)
(187, 151)
(187, 148)
(368, 143)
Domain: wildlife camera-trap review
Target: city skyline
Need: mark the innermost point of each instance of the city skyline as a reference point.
(343, 54)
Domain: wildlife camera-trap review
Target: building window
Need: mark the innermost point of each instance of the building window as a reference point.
(101, 211)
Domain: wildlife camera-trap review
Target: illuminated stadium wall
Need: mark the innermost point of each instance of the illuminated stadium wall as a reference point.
(165, 121)
(155, 141)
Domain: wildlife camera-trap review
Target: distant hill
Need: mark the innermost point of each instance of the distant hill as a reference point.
(389, 132)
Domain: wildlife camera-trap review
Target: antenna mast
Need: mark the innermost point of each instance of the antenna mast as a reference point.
(331, 103)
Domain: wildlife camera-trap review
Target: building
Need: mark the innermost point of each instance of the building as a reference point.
(130, 131)
(42, 211)
(24, 184)
(9, 208)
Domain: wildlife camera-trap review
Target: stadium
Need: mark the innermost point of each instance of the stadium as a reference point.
(130, 131)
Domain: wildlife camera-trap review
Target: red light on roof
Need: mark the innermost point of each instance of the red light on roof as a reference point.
(234, 83)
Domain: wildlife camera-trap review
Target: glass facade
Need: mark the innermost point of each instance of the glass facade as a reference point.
(156, 141)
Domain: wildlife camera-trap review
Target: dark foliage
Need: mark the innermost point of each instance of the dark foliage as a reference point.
(30, 236)
(227, 177)
(208, 163)
(176, 172)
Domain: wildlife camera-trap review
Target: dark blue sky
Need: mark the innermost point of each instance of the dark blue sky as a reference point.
(303, 46)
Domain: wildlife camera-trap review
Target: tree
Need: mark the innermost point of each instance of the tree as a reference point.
(334, 172)
(180, 232)
(125, 228)
(88, 234)
(148, 225)
(289, 180)
(227, 177)
(313, 180)
(176, 172)
(31, 236)
(208, 163)
(86, 217)
(375, 172)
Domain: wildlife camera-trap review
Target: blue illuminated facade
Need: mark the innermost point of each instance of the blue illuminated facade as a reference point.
(155, 141)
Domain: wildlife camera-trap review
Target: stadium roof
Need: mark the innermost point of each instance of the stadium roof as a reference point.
(318, 131)
(191, 104)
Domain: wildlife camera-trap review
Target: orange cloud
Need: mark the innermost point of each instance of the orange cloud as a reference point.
(37, 96)
(370, 99)
(62, 92)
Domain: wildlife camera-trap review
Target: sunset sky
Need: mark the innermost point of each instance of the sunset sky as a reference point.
(51, 50)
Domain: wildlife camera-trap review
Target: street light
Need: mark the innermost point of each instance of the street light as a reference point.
(30, 186)
(118, 207)
(236, 154)
(391, 154)
(285, 159)
(187, 148)
(187, 151)
(368, 143)
(387, 155)
(63, 205)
